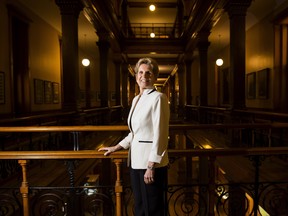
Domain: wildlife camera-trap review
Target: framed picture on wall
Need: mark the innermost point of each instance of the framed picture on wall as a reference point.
(93, 95)
(2, 87)
(82, 95)
(38, 91)
(98, 96)
(113, 96)
(55, 92)
(47, 92)
(262, 78)
(251, 85)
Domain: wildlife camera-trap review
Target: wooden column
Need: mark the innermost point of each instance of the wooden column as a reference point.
(70, 10)
(125, 20)
(118, 68)
(88, 86)
(280, 75)
(237, 14)
(132, 90)
(182, 90)
(104, 45)
(124, 90)
(124, 84)
(203, 45)
(173, 95)
(188, 64)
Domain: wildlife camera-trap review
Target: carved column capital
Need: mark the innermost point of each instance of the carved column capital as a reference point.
(203, 42)
(188, 57)
(104, 35)
(237, 7)
(203, 35)
(103, 45)
(70, 6)
(203, 46)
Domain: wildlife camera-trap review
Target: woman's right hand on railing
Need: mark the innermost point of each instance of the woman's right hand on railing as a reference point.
(110, 149)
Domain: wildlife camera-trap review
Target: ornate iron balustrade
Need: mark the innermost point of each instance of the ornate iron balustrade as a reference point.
(191, 199)
(191, 196)
(161, 31)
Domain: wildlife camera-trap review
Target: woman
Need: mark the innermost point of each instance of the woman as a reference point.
(147, 141)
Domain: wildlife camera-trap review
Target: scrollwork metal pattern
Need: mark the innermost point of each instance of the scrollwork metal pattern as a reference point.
(61, 201)
(50, 202)
(10, 203)
(99, 203)
(187, 200)
(274, 198)
(226, 205)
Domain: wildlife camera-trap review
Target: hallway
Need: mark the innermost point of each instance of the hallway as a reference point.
(228, 129)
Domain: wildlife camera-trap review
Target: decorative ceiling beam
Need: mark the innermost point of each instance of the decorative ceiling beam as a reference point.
(102, 15)
(204, 15)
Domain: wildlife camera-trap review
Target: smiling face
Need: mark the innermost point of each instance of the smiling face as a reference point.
(145, 78)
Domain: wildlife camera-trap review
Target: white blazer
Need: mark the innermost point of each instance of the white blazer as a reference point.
(149, 129)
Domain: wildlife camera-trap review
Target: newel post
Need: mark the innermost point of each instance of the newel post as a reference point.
(118, 187)
(24, 188)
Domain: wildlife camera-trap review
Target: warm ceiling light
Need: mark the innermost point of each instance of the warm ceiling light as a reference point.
(152, 7)
(85, 61)
(152, 34)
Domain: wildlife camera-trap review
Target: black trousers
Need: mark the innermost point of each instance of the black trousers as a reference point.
(149, 199)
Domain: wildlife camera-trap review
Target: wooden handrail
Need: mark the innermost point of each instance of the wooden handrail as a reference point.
(85, 154)
(63, 128)
(34, 117)
(266, 113)
(247, 111)
(208, 107)
(81, 128)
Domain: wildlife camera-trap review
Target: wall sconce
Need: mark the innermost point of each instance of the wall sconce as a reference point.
(152, 34)
(219, 61)
(85, 61)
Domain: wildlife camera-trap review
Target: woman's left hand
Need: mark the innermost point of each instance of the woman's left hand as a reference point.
(149, 176)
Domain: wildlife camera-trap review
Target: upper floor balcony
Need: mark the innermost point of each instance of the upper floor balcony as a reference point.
(154, 30)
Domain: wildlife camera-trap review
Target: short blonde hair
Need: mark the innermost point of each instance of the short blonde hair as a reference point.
(149, 61)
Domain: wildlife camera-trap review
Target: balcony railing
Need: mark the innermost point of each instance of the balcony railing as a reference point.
(160, 30)
(200, 181)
